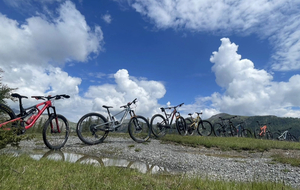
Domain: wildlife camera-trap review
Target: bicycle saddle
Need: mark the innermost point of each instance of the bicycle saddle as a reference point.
(16, 95)
(107, 106)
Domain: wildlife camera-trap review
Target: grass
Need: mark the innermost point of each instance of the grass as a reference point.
(232, 143)
(25, 173)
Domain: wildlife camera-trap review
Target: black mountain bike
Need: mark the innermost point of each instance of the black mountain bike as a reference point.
(225, 129)
(160, 124)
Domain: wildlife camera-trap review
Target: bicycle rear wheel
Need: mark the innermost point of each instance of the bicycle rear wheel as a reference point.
(190, 126)
(56, 132)
(139, 129)
(158, 125)
(204, 128)
(246, 133)
(87, 129)
(181, 126)
(276, 135)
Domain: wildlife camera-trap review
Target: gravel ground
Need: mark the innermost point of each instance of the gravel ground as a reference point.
(212, 163)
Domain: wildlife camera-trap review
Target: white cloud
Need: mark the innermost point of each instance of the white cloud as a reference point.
(30, 53)
(277, 20)
(107, 18)
(126, 89)
(247, 90)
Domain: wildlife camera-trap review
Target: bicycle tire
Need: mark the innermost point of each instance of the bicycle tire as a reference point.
(256, 133)
(204, 128)
(218, 130)
(87, 133)
(190, 129)
(276, 135)
(7, 114)
(53, 139)
(158, 125)
(269, 135)
(181, 125)
(246, 133)
(139, 129)
(231, 131)
(291, 137)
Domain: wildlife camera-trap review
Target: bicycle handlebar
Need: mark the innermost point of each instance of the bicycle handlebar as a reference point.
(129, 103)
(57, 97)
(179, 105)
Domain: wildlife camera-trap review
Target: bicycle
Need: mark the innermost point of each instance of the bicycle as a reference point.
(285, 135)
(262, 132)
(56, 128)
(223, 129)
(93, 128)
(160, 124)
(203, 127)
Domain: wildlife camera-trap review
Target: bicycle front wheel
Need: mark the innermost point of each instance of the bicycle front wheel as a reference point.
(158, 125)
(181, 126)
(91, 128)
(219, 130)
(291, 137)
(139, 129)
(246, 133)
(204, 128)
(56, 132)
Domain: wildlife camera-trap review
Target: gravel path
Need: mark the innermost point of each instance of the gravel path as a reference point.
(212, 163)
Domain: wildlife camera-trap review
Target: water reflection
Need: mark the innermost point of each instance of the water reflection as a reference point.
(87, 159)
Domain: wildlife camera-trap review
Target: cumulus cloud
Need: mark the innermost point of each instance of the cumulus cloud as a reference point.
(276, 20)
(126, 89)
(247, 90)
(107, 18)
(32, 51)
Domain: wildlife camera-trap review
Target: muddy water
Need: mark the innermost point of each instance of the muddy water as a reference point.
(58, 155)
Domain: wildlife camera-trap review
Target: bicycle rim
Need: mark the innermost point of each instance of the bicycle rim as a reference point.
(157, 125)
(246, 133)
(56, 132)
(181, 126)
(205, 128)
(87, 129)
(139, 129)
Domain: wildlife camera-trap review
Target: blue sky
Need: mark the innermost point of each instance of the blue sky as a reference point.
(237, 57)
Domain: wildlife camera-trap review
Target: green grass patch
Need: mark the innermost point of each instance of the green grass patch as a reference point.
(232, 143)
(293, 161)
(25, 173)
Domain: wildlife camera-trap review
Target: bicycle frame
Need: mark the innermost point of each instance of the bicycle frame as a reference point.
(172, 115)
(283, 135)
(23, 114)
(113, 122)
(196, 121)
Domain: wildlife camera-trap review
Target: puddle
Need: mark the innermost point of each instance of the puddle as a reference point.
(87, 159)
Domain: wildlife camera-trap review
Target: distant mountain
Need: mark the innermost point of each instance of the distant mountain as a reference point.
(276, 123)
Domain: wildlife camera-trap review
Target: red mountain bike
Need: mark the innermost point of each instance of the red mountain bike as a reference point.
(160, 124)
(56, 128)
